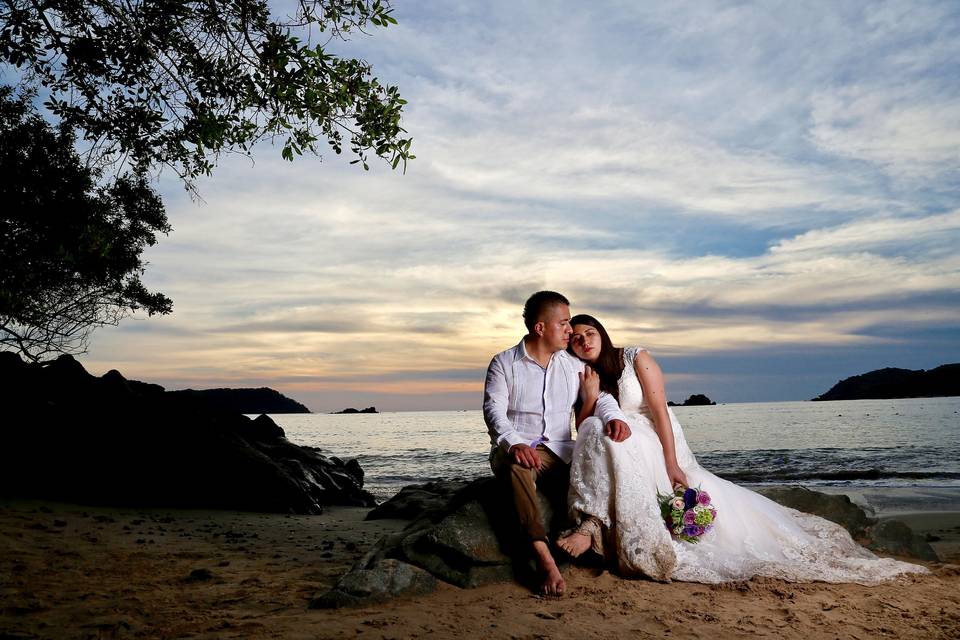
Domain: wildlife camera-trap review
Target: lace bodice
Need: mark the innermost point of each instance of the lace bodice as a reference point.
(631, 393)
(632, 403)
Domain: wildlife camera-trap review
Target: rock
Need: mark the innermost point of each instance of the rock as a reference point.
(897, 538)
(386, 580)
(68, 435)
(835, 508)
(350, 410)
(415, 500)
(461, 549)
(897, 383)
(696, 400)
(262, 400)
(464, 533)
(199, 575)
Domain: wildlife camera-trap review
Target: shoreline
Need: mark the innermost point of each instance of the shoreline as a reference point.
(70, 570)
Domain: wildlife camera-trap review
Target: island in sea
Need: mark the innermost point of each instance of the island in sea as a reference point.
(262, 400)
(884, 384)
(352, 410)
(696, 400)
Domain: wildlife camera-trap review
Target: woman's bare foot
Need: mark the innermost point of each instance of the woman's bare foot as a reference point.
(575, 543)
(553, 583)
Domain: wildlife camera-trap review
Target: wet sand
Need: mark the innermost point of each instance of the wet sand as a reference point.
(69, 571)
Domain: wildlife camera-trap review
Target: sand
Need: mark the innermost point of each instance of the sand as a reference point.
(69, 571)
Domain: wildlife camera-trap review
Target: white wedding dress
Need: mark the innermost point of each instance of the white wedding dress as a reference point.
(618, 484)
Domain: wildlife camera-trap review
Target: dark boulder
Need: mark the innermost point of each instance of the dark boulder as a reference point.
(895, 537)
(68, 435)
(415, 500)
(388, 579)
(464, 533)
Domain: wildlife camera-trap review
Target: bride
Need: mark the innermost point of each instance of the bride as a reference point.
(614, 486)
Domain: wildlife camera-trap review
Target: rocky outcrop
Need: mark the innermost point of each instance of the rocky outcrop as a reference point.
(262, 400)
(898, 383)
(696, 400)
(68, 435)
(349, 410)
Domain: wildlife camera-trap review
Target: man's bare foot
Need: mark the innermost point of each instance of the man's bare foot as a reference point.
(553, 583)
(575, 543)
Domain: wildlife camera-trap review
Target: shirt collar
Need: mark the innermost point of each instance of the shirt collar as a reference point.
(521, 353)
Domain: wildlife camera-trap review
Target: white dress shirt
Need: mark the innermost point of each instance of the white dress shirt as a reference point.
(523, 403)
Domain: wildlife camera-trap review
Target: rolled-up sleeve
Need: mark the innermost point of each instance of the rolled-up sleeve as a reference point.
(607, 408)
(496, 398)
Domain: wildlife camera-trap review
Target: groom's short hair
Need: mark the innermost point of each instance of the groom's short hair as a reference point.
(538, 303)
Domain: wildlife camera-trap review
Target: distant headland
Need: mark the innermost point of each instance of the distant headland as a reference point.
(889, 383)
(696, 400)
(352, 410)
(262, 400)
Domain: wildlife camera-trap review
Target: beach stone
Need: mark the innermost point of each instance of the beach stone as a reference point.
(897, 538)
(462, 549)
(835, 508)
(199, 575)
(413, 501)
(462, 532)
(387, 579)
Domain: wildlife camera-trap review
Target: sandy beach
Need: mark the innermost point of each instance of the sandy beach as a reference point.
(95, 572)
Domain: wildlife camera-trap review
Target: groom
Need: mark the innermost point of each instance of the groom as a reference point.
(527, 403)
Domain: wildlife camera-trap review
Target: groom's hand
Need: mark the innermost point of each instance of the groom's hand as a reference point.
(525, 456)
(618, 430)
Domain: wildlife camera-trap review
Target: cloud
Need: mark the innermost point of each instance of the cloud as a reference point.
(709, 179)
(901, 130)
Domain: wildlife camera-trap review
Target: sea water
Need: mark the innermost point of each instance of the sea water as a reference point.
(850, 444)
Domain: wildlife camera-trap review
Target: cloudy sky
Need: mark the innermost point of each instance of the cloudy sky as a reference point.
(763, 194)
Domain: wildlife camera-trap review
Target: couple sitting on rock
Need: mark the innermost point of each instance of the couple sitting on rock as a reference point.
(629, 449)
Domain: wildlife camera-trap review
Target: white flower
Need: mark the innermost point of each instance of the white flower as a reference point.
(678, 529)
(678, 503)
(699, 509)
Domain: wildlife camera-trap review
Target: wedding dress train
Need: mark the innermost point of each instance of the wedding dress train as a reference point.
(618, 484)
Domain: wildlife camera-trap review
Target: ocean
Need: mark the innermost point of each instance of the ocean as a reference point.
(849, 445)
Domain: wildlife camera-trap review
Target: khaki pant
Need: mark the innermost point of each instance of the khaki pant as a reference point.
(553, 479)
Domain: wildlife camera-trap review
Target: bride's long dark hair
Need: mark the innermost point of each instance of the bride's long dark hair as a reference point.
(609, 364)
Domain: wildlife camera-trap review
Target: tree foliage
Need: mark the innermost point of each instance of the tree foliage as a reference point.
(177, 82)
(70, 247)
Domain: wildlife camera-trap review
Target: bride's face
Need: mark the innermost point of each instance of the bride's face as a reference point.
(585, 342)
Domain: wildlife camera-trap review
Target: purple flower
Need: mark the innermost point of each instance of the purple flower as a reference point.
(703, 498)
(690, 497)
(691, 530)
(689, 517)
(700, 530)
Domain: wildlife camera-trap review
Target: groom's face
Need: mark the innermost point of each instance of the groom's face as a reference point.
(556, 327)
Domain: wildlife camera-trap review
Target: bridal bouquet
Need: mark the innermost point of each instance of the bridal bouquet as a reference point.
(687, 513)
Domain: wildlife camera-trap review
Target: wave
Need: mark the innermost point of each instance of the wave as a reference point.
(847, 474)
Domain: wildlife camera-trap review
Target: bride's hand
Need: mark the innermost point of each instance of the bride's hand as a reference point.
(676, 475)
(589, 385)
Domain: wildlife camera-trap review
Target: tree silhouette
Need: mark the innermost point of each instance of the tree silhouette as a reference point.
(177, 82)
(70, 248)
